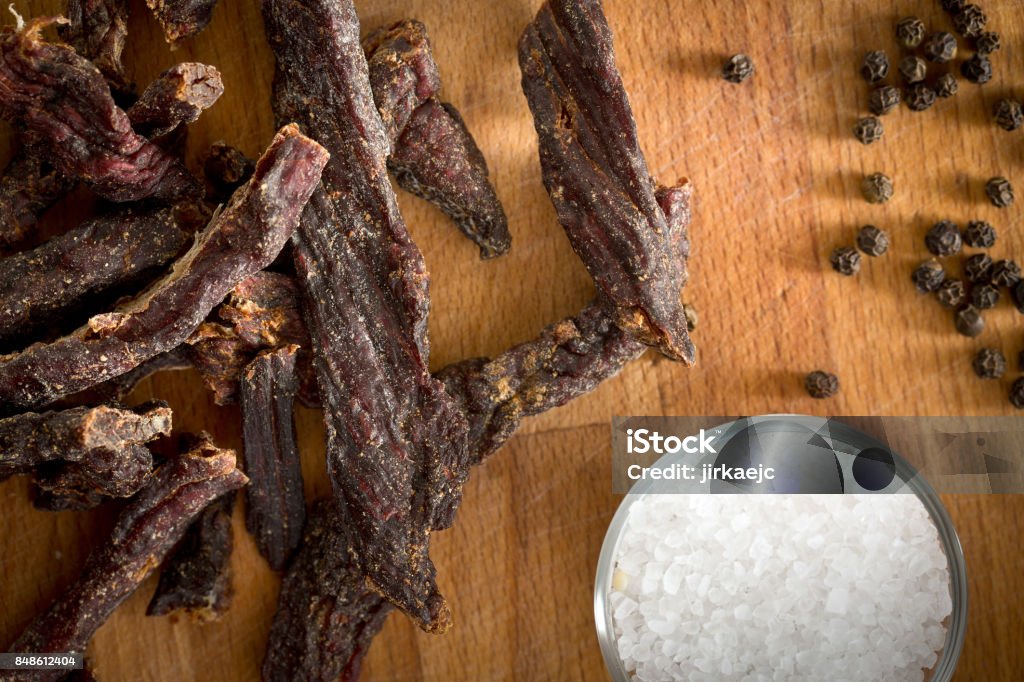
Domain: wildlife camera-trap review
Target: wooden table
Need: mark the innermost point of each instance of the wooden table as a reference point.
(777, 172)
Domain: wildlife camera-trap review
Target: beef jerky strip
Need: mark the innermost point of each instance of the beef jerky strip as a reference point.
(182, 19)
(87, 483)
(63, 100)
(275, 506)
(240, 240)
(117, 388)
(29, 185)
(55, 279)
(595, 172)
(97, 29)
(393, 434)
(326, 617)
(145, 531)
(226, 168)
(176, 97)
(196, 577)
(433, 154)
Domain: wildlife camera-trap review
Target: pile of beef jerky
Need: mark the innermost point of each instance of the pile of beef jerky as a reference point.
(295, 277)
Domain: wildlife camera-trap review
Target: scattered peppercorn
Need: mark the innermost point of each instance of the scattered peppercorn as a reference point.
(910, 32)
(738, 69)
(1005, 273)
(989, 363)
(987, 43)
(943, 239)
(872, 241)
(978, 268)
(884, 99)
(877, 188)
(999, 192)
(951, 293)
(940, 47)
(968, 321)
(953, 6)
(946, 85)
(970, 21)
(845, 261)
(1017, 295)
(984, 297)
(1009, 114)
(928, 276)
(913, 69)
(1017, 393)
(821, 384)
(868, 129)
(919, 97)
(875, 66)
(977, 69)
(980, 235)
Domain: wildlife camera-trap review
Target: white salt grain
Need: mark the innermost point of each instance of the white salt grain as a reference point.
(762, 587)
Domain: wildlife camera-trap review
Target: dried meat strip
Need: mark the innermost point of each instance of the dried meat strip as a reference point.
(97, 29)
(240, 240)
(326, 616)
(196, 577)
(182, 19)
(62, 99)
(87, 483)
(275, 506)
(595, 172)
(433, 154)
(117, 388)
(393, 433)
(29, 185)
(177, 97)
(145, 531)
(226, 168)
(97, 256)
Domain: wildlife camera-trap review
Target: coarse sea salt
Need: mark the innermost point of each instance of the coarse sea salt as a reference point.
(802, 587)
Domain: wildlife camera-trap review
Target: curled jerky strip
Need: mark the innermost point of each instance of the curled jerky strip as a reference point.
(240, 240)
(62, 99)
(97, 29)
(76, 486)
(145, 531)
(175, 98)
(28, 186)
(595, 172)
(433, 155)
(182, 19)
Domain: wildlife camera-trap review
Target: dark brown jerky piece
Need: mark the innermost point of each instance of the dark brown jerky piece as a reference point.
(326, 617)
(595, 172)
(175, 98)
(66, 486)
(145, 531)
(196, 576)
(393, 434)
(242, 239)
(276, 508)
(433, 154)
(29, 185)
(65, 103)
(99, 255)
(182, 19)
(117, 388)
(226, 168)
(97, 29)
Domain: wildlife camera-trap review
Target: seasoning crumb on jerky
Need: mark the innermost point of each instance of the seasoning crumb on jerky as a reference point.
(599, 183)
(28, 186)
(63, 101)
(97, 29)
(433, 154)
(182, 19)
(144, 533)
(240, 240)
(196, 577)
(275, 507)
(177, 97)
(67, 271)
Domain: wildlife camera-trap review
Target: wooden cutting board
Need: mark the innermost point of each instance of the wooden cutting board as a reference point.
(776, 171)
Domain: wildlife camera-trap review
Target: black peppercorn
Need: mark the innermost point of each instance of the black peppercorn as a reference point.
(928, 276)
(989, 363)
(821, 384)
(978, 268)
(1005, 273)
(984, 296)
(968, 321)
(977, 69)
(845, 261)
(946, 85)
(884, 99)
(987, 43)
(913, 69)
(872, 241)
(910, 32)
(875, 66)
(953, 6)
(868, 129)
(940, 47)
(877, 188)
(999, 192)
(980, 235)
(1017, 393)
(919, 97)
(738, 68)
(1009, 114)
(943, 239)
(1017, 296)
(951, 293)
(970, 21)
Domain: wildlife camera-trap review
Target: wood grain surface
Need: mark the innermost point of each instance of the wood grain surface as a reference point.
(776, 171)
